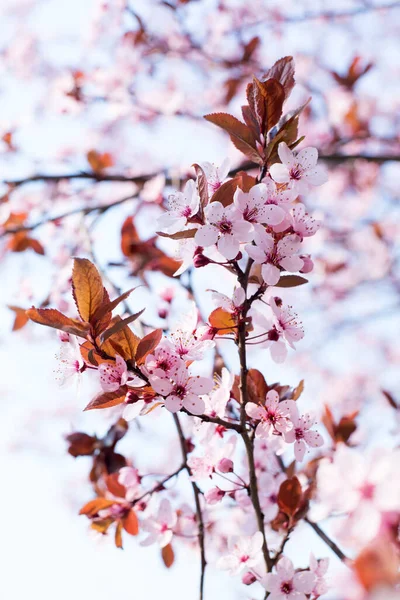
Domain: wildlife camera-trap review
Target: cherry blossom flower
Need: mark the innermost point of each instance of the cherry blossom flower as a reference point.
(130, 479)
(301, 434)
(182, 206)
(214, 495)
(183, 391)
(279, 197)
(268, 485)
(225, 227)
(298, 170)
(273, 416)
(160, 526)
(253, 207)
(302, 223)
(71, 363)
(285, 584)
(232, 305)
(113, 376)
(244, 553)
(272, 256)
(319, 568)
(286, 322)
(183, 341)
(215, 175)
(204, 466)
(216, 403)
(163, 361)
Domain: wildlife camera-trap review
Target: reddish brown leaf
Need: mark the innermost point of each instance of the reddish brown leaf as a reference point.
(389, 397)
(298, 390)
(223, 321)
(114, 487)
(378, 565)
(92, 507)
(118, 535)
(20, 242)
(273, 96)
(21, 318)
(120, 326)
(147, 344)
(179, 235)
(202, 185)
(108, 399)
(242, 137)
(288, 281)
(283, 71)
(54, 318)
(289, 496)
(81, 444)
(87, 288)
(168, 556)
(131, 523)
(124, 342)
(250, 48)
(99, 161)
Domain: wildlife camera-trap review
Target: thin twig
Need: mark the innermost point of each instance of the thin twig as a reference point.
(199, 513)
(334, 547)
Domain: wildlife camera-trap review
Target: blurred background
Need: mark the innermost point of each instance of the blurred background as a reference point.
(94, 96)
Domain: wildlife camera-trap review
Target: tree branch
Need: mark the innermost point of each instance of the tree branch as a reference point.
(248, 441)
(334, 547)
(199, 513)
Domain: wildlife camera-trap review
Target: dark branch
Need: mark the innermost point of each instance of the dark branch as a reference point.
(334, 547)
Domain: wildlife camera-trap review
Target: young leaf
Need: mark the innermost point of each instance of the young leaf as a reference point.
(120, 325)
(147, 345)
(298, 390)
(87, 288)
(202, 185)
(274, 96)
(21, 318)
(168, 556)
(92, 507)
(179, 235)
(54, 318)
(288, 281)
(223, 321)
(242, 137)
(289, 496)
(108, 399)
(108, 306)
(118, 535)
(283, 71)
(123, 342)
(131, 523)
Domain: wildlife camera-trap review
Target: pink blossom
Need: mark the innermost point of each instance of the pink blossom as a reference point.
(302, 223)
(113, 376)
(215, 175)
(214, 495)
(285, 584)
(225, 227)
(130, 479)
(273, 416)
(232, 305)
(183, 391)
(184, 341)
(182, 206)
(268, 486)
(71, 362)
(281, 197)
(286, 323)
(204, 466)
(160, 527)
(225, 465)
(299, 170)
(302, 435)
(253, 207)
(244, 553)
(319, 568)
(272, 256)
(163, 361)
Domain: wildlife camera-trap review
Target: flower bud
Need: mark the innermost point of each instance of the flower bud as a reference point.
(162, 313)
(167, 294)
(225, 465)
(248, 578)
(199, 260)
(308, 264)
(214, 495)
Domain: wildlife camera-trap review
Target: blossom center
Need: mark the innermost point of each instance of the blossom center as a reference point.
(286, 587)
(244, 558)
(225, 226)
(299, 433)
(296, 172)
(180, 391)
(186, 212)
(368, 491)
(250, 214)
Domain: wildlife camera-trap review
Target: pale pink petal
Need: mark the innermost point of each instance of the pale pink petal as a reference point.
(317, 176)
(285, 568)
(304, 582)
(286, 155)
(243, 231)
(299, 450)
(161, 386)
(228, 246)
(272, 399)
(279, 173)
(214, 212)
(207, 235)
(270, 274)
(314, 439)
(131, 411)
(278, 352)
(173, 403)
(171, 223)
(307, 158)
(254, 411)
(271, 214)
(239, 296)
(256, 253)
(292, 263)
(200, 385)
(194, 404)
